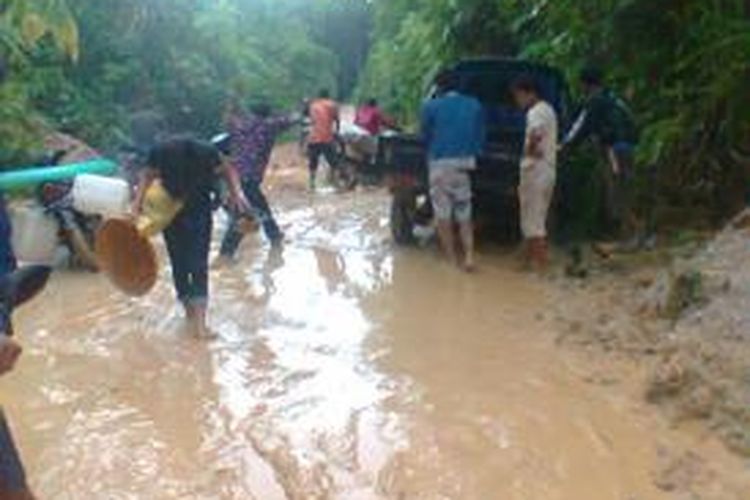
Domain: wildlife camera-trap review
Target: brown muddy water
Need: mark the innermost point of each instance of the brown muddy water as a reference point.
(344, 369)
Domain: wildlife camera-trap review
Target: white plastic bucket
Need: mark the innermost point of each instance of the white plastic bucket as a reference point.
(98, 195)
(35, 235)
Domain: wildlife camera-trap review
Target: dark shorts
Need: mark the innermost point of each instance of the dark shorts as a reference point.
(12, 475)
(324, 149)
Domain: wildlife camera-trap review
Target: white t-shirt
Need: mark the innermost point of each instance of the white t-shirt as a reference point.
(541, 121)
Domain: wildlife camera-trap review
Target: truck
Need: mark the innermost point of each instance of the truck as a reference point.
(495, 181)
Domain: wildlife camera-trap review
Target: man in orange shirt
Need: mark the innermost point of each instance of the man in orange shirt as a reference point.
(325, 122)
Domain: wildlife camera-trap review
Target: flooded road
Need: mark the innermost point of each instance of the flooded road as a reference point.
(343, 369)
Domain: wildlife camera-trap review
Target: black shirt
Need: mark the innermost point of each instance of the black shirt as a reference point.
(187, 168)
(606, 117)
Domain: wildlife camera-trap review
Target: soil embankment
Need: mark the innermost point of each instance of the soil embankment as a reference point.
(688, 322)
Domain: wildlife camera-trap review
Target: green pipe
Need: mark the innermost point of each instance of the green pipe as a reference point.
(37, 175)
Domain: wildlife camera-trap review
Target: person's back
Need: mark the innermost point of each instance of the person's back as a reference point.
(606, 117)
(187, 168)
(453, 126)
(252, 141)
(618, 124)
(371, 118)
(453, 131)
(324, 115)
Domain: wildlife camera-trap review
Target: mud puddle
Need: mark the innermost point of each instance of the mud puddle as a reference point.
(343, 369)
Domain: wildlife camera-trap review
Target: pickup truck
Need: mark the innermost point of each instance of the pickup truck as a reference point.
(495, 181)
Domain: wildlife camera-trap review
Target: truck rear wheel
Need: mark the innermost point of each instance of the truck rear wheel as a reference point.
(403, 215)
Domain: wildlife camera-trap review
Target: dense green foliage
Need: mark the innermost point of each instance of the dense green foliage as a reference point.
(24, 26)
(684, 65)
(87, 65)
(184, 59)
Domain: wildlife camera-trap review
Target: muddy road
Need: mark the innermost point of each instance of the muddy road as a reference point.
(343, 369)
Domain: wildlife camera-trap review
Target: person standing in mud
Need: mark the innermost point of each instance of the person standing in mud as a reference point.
(16, 288)
(251, 141)
(12, 475)
(607, 118)
(538, 170)
(186, 168)
(325, 122)
(454, 131)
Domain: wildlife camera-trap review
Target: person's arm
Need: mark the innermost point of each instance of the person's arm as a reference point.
(10, 351)
(388, 121)
(533, 144)
(145, 178)
(536, 131)
(237, 197)
(585, 125)
(281, 124)
(337, 119)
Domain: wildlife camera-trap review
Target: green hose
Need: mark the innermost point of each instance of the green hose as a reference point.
(37, 175)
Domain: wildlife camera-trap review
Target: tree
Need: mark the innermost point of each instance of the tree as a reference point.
(684, 65)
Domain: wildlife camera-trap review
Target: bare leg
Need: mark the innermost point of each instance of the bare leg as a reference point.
(447, 239)
(467, 240)
(196, 320)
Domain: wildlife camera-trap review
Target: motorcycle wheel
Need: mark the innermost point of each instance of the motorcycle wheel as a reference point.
(345, 175)
(403, 216)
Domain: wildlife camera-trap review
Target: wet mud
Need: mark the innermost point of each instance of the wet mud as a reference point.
(343, 368)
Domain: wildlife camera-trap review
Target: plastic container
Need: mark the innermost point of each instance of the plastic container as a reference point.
(159, 210)
(127, 257)
(35, 235)
(98, 195)
(37, 175)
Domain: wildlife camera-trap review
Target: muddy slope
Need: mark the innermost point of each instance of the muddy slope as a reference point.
(689, 323)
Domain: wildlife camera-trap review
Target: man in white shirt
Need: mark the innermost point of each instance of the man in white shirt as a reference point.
(538, 169)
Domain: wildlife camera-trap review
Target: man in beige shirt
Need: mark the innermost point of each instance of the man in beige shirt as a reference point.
(538, 169)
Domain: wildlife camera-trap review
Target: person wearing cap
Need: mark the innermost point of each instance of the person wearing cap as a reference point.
(607, 119)
(250, 144)
(187, 168)
(538, 169)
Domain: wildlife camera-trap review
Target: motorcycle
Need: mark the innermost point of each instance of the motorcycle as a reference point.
(76, 231)
(358, 154)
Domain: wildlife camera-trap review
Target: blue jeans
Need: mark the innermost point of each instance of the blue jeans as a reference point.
(188, 241)
(12, 475)
(262, 211)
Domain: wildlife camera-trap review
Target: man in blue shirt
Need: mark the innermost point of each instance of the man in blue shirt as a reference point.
(453, 130)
